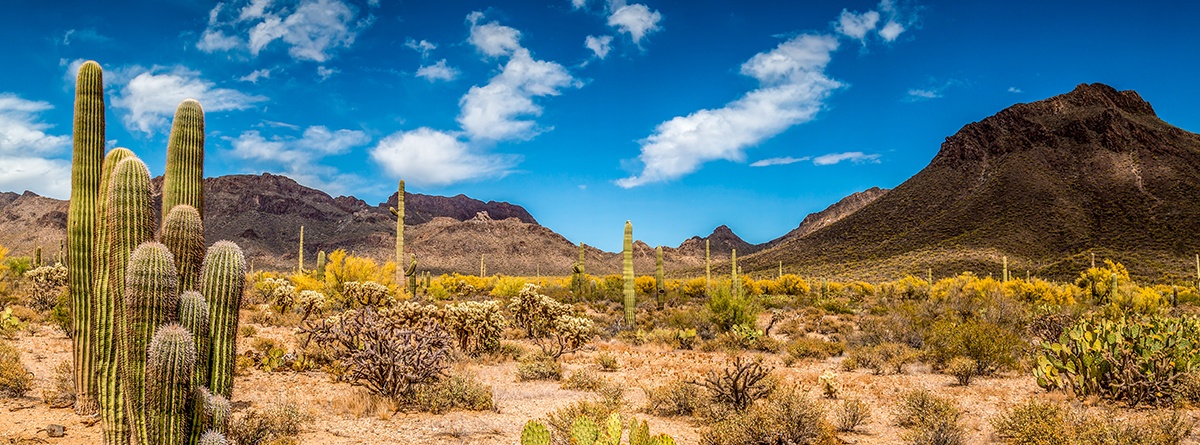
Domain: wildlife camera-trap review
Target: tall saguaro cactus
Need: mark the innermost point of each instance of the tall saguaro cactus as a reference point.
(151, 300)
(300, 265)
(194, 316)
(660, 285)
(86, 164)
(707, 268)
(627, 274)
(398, 212)
(183, 181)
(105, 309)
(170, 364)
(222, 280)
(183, 233)
(735, 283)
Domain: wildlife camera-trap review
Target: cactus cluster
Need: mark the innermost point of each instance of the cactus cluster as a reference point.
(584, 431)
(627, 274)
(476, 325)
(142, 350)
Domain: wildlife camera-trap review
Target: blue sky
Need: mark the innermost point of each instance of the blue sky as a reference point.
(677, 115)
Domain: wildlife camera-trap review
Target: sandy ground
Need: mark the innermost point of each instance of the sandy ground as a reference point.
(335, 421)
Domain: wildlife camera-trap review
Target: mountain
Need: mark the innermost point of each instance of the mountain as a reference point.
(1044, 183)
(721, 242)
(831, 214)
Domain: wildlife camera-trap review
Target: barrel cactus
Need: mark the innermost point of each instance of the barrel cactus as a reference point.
(222, 279)
(170, 365)
(151, 300)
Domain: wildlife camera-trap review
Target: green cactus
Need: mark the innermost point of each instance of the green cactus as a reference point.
(577, 276)
(584, 431)
(410, 274)
(170, 365)
(86, 167)
(183, 233)
(627, 274)
(612, 431)
(300, 265)
(398, 212)
(151, 300)
(482, 267)
(193, 315)
(183, 181)
(222, 280)
(535, 433)
(37, 257)
(217, 413)
(1005, 277)
(209, 414)
(320, 264)
(660, 284)
(707, 268)
(735, 282)
(107, 302)
(212, 438)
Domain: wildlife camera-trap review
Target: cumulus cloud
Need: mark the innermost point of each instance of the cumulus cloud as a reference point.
(325, 73)
(493, 39)
(599, 45)
(438, 71)
(898, 20)
(779, 161)
(855, 25)
(793, 87)
(431, 157)
(300, 157)
(149, 99)
(31, 158)
(637, 20)
(859, 26)
(856, 157)
(891, 31)
(310, 30)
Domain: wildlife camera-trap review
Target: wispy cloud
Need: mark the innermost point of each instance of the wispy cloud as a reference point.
(83, 35)
(255, 75)
(779, 161)
(600, 46)
(933, 90)
(438, 71)
(300, 157)
(1014, 90)
(423, 47)
(311, 29)
(151, 96)
(856, 157)
(30, 157)
(325, 72)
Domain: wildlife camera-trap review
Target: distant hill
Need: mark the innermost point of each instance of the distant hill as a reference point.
(1043, 183)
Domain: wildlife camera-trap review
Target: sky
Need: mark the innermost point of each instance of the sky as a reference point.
(677, 115)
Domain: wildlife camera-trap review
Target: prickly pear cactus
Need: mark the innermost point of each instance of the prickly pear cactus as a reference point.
(535, 433)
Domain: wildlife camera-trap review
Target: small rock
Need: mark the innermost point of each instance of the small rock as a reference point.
(53, 430)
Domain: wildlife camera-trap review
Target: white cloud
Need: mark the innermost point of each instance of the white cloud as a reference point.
(922, 94)
(150, 98)
(433, 158)
(438, 71)
(29, 156)
(934, 90)
(325, 73)
(423, 46)
(300, 158)
(779, 161)
(311, 30)
(1014, 90)
(891, 31)
(255, 75)
(793, 87)
(577, 4)
(856, 157)
(495, 111)
(493, 39)
(856, 26)
(898, 20)
(637, 20)
(599, 45)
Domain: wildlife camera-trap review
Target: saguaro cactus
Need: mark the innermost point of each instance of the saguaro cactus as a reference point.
(577, 284)
(1005, 269)
(482, 267)
(300, 266)
(106, 305)
(707, 268)
(660, 285)
(320, 264)
(86, 165)
(398, 212)
(183, 233)
(194, 316)
(169, 368)
(151, 300)
(627, 274)
(183, 182)
(222, 279)
(735, 284)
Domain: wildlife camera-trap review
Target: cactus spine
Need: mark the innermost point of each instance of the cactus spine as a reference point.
(183, 181)
(300, 266)
(398, 212)
(183, 233)
(86, 165)
(212, 438)
(151, 300)
(660, 285)
(222, 279)
(108, 305)
(169, 368)
(627, 274)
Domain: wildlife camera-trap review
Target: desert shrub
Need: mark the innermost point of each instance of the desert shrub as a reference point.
(931, 419)
(962, 368)
(61, 393)
(993, 347)
(60, 315)
(694, 288)
(787, 417)
(1040, 292)
(508, 286)
(685, 338)
(739, 384)
(366, 293)
(458, 391)
(1033, 423)
(561, 421)
(1049, 326)
(278, 423)
(9, 323)
(1096, 282)
(477, 326)
(790, 284)
(893, 327)
(48, 282)
(607, 362)
(1135, 359)
(880, 359)
(677, 398)
(729, 310)
(584, 380)
(812, 348)
(907, 288)
(15, 379)
(388, 357)
(539, 366)
(645, 285)
(851, 414)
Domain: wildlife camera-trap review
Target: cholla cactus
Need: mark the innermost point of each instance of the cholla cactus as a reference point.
(549, 323)
(280, 292)
(476, 325)
(48, 282)
(829, 384)
(367, 293)
(310, 301)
